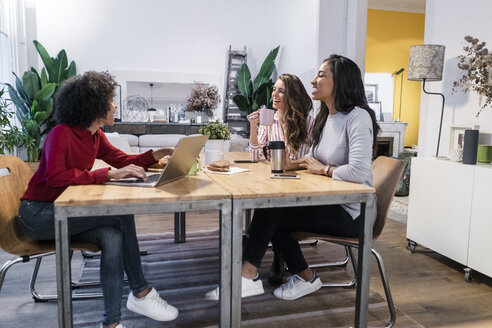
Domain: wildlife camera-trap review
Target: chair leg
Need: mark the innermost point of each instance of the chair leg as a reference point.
(7, 265)
(387, 292)
(332, 264)
(50, 297)
(353, 282)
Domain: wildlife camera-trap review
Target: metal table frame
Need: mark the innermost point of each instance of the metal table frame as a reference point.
(63, 270)
(364, 253)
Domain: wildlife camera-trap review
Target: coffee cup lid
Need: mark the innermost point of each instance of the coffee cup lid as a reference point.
(276, 145)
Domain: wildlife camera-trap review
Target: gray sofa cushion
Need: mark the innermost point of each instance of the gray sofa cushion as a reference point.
(157, 141)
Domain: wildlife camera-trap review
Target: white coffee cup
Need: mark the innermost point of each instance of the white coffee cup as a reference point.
(213, 155)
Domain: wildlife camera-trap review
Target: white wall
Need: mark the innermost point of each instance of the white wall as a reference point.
(447, 22)
(193, 36)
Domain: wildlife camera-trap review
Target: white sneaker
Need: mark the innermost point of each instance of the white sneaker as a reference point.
(249, 287)
(152, 306)
(118, 326)
(296, 287)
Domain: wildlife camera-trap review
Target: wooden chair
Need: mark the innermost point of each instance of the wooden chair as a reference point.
(386, 174)
(14, 177)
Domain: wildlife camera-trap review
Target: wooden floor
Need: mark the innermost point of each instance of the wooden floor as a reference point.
(428, 287)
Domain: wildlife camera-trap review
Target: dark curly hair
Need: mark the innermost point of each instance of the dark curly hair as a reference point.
(84, 98)
(298, 104)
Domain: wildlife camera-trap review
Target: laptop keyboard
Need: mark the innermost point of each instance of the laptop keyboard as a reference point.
(152, 178)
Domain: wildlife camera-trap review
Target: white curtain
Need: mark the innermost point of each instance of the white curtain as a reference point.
(13, 51)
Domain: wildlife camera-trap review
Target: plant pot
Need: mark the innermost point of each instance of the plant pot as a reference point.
(214, 150)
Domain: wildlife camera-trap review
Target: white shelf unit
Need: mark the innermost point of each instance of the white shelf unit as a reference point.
(450, 210)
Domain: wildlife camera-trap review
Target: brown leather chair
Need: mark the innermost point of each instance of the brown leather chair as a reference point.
(386, 175)
(14, 177)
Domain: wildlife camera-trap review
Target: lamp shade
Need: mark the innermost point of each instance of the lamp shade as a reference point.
(426, 62)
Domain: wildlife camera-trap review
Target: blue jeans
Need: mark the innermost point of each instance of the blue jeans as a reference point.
(115, 235)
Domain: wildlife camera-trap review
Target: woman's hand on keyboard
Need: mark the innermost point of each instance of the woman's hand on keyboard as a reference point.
(129, 171)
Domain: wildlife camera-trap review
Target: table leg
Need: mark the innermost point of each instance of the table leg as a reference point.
(237, 260)
(179, 227)
(364, 262)
(225, 266)
(63, 274)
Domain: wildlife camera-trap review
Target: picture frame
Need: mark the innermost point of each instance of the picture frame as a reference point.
(371, 92)
(376, 106)
(457, 134)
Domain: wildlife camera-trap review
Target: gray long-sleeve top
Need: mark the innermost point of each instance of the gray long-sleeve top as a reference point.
(346, 142)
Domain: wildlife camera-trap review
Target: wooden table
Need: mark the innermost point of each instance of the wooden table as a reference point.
(192, 193)
(255, 189)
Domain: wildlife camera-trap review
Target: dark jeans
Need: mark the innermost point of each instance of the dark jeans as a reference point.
(276, 224)
(116, 237)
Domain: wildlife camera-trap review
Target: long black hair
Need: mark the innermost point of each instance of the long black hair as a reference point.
(348, 91)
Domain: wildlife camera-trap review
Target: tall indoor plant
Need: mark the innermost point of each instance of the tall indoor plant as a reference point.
(33, 97)
(255, 93)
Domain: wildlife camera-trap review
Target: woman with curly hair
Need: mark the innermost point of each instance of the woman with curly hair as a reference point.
(293, 120)
(82, 106)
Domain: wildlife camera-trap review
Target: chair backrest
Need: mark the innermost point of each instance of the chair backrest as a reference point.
(14, 177)
(386, 173)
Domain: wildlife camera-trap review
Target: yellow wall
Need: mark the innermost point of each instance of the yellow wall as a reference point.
(390, 34)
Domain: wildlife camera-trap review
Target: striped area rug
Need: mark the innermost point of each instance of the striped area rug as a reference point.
(183, 273)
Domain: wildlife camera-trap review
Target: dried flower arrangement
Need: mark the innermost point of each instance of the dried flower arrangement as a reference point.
(477, 62)
(203, 96)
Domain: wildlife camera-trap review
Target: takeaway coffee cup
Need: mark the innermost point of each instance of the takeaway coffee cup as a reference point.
(266, 116)
(277, 155)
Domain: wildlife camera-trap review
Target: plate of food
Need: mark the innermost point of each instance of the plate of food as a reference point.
(223, 167)
(160, 165)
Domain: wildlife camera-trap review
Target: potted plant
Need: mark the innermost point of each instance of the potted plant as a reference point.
(254, 94)
(202, 101)
(477, 64)
(10, 135)
(218, 140)
(33, 97)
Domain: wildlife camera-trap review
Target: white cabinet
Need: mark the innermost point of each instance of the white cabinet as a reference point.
(479, 247)
(450, 208)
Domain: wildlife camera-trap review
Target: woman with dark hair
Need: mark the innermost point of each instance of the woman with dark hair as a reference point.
(82, 106)
(292, 123)
(344, 141)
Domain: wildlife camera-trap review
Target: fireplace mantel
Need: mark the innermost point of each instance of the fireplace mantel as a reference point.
(395, 130)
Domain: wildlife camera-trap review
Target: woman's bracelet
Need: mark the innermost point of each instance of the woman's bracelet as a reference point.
(327, 170)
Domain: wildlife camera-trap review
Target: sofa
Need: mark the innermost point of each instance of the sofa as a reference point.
(130, 143)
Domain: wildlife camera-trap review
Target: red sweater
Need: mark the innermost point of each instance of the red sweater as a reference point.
(68, 155)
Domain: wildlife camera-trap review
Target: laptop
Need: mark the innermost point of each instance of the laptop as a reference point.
(178, 166)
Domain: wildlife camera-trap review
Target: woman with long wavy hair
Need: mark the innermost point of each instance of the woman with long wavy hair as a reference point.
(293, 120)
(343, 144)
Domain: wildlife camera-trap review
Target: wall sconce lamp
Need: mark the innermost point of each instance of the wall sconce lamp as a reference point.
(426, 63)
(395, 74)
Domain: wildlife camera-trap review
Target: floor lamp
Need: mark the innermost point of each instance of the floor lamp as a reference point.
(395, 74)
(426, 64)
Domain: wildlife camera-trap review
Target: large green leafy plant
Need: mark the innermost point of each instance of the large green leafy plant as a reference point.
(33, 97)
(254, 94)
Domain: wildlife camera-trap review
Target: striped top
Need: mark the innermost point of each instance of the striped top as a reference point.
(275, 132)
